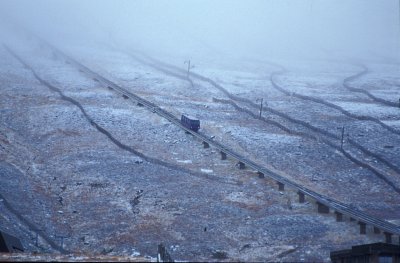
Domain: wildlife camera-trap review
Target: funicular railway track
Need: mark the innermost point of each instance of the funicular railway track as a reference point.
(340, 208)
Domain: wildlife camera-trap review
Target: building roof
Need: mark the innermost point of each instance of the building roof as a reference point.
(374, 248)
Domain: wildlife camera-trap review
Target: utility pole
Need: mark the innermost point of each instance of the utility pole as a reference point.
(37, 239)
(261, 105)
(341, 144)
(189, 67)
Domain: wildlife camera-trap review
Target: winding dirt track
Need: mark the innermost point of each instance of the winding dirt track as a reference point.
(181, 74)
(325, 200)
(329, 104)
(334, 204)
(32, 227)
(346, 84)
(125, 147)
(107, 133)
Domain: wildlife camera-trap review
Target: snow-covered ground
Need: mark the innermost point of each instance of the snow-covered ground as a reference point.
(113, 200)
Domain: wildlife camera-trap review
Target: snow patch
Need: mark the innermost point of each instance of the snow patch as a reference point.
(184, 161)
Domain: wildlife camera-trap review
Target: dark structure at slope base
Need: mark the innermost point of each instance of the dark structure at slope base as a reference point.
(9, 243)
(376, 252)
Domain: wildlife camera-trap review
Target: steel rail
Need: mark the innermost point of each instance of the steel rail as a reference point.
(362, 217)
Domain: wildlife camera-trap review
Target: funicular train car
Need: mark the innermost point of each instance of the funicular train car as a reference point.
(190, 123)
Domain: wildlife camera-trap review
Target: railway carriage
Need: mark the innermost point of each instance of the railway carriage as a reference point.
(190, 123)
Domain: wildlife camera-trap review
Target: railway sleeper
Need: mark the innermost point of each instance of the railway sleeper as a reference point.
(302, 197)
(388, 237)
(241, 165)
(322, 209)
(223, 155)
(281, 186)
(206, 145)
(339, 216)
(363, 228)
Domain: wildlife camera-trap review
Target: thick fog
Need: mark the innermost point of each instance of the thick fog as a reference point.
(254, 28)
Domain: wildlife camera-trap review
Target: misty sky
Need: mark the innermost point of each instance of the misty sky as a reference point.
(237, 27)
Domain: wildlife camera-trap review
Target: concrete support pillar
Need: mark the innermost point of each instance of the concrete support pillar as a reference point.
(241, 165)
(206, 145)
(363, 228)
(281, 186)
(376, 230)
(352, 219)
(302, 197)
(260, 175)
(388, 237)
(223, 156)
(322, 209)
(339, 217)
